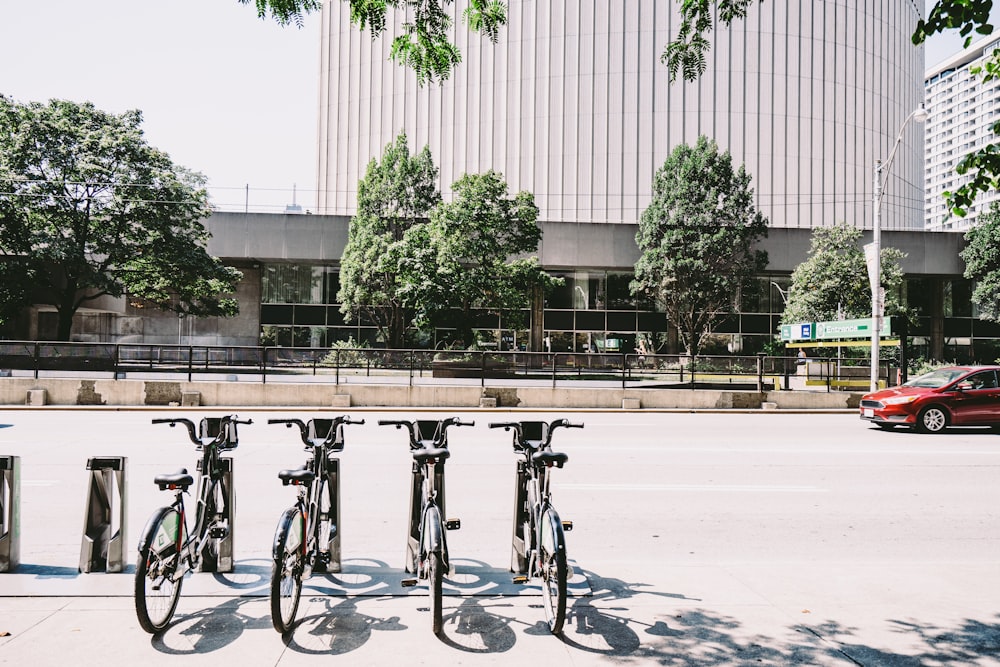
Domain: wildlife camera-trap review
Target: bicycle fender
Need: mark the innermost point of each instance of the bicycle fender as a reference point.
(434, 538)
(284, 525)
(148, 532)
(551, 517)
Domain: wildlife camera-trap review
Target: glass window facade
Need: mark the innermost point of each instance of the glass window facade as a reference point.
(595, 311)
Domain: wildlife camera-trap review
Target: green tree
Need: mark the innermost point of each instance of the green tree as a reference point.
(833, 282)
(396, 193)
(982, 263)
(471, 255)
(697, 239)
(90, 209)
(425, 44)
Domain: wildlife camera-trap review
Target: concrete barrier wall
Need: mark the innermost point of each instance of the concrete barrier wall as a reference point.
(65, 392)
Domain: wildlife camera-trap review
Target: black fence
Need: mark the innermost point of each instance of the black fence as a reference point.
(338, 365)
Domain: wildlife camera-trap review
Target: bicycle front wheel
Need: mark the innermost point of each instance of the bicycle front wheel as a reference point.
(552, 558)
(435, 574)
(156, 589)
(286, 570)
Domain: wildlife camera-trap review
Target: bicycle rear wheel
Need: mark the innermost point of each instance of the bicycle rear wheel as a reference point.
(432, 551)
(156, 590)
(286, 570)
(552, 556)
(435, 574)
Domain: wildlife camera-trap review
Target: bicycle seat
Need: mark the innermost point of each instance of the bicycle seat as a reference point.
(548, 458)
(178, 480)
(297, 476)
(424, 453)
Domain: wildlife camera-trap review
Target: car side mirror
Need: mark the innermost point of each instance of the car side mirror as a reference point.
(963, 386)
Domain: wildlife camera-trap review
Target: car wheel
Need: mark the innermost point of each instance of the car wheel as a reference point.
(932, 419)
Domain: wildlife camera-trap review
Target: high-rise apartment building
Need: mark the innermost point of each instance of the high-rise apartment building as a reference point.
(962, 111)
(575, 106)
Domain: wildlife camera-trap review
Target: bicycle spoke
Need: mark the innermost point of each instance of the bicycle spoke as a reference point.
(286, 571)
(156, 591)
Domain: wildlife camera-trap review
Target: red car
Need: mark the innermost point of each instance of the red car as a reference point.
(952, 396)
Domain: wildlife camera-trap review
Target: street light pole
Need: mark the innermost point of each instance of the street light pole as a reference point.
(875, 250)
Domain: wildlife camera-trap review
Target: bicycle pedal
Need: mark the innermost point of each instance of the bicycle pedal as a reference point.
(218, 532)
(408, 583)
(520, 579)
(453, 524)
(567, 526)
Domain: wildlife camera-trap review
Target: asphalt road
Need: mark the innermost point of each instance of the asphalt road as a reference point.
(699, 539)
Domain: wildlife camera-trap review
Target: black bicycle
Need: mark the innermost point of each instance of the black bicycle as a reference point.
(427, 544)
(539, 541)
(167, 549)
(307, 538)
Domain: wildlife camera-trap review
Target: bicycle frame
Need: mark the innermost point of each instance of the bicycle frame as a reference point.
(309, 500)
(538, 542)
(168, 548)
(426, 543)
(532, 499)
(213, 471)
(427, 534)
(427, 489)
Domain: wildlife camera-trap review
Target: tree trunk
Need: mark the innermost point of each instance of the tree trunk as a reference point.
(65, 328)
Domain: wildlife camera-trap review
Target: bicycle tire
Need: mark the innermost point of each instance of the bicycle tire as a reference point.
(435, 575)
(286, 570)
(552, 558)
(156, 591)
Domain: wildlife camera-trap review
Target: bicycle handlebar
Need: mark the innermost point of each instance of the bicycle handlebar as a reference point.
(416, 441)
(192, 434)
(221, 437)
(519, 429)
(304, 428)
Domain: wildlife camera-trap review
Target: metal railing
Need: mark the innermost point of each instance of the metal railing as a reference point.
(341, 366)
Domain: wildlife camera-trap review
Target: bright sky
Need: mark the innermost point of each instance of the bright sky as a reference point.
(221, 91)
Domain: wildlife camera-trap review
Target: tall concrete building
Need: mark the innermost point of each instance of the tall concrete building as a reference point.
(962, 110)
(575, 106)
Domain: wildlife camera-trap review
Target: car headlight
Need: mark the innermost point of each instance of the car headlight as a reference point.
(899, 400)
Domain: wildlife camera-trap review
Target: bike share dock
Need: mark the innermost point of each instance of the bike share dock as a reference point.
(105, 518)
(10, 512)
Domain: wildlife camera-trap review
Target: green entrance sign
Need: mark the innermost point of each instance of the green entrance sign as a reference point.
(848, 329)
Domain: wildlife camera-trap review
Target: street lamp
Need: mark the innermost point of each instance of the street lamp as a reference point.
(874, 249)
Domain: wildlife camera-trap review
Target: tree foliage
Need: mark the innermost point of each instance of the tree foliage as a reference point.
(697, 239)
(88, 209)
(470, 255)
(982, 263)
(396, 194)
(833, 283)
(425, 44)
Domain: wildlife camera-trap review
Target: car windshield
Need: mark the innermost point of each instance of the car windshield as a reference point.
(934, 379)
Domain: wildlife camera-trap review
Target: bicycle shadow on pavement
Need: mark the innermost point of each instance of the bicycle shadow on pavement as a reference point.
(208, 629)
(337, 627)
(594, 627)
(476, 627)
